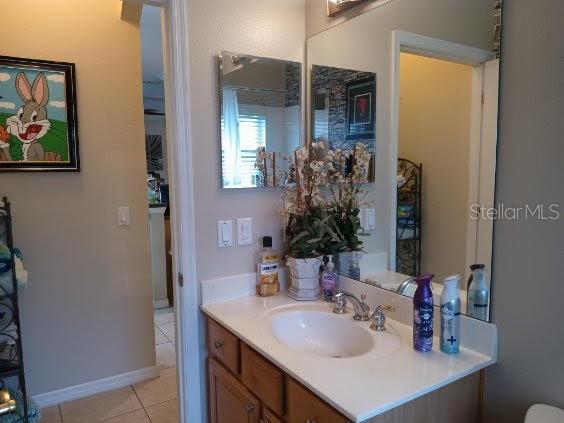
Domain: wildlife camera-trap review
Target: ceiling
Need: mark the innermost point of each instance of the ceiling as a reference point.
(151, 57)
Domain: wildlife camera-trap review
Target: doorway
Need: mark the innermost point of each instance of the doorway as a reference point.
(158, 197)
(463, 129)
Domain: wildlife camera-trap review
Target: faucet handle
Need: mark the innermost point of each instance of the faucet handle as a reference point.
(386, 308)
(378, 319)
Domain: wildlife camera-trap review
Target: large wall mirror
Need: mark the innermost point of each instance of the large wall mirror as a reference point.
(260, 119)
(427, 72)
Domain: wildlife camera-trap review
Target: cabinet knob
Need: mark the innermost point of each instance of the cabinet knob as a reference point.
(249, 408)
(218, 345)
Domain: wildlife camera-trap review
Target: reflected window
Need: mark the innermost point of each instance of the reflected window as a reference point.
(252, 133)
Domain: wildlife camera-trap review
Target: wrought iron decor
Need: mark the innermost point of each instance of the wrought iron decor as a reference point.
(408, 237)
(11, 355)
(154, 152)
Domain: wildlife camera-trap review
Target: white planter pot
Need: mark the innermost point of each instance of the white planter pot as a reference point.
(304, 279)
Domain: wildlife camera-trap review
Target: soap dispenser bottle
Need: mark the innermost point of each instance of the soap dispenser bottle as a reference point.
(478, 293)
(450, 315)
(329, 280)
(423, 314)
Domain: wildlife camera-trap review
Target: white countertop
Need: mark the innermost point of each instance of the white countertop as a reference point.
(359, 387)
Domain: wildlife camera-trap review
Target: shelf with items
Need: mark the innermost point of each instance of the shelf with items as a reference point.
(11, 354)
(408, 220)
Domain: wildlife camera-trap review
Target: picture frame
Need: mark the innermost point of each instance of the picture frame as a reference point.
(361, 109)
(38, 116)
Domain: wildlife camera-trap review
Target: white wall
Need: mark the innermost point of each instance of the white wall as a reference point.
(268, 28)
(528, 268)
(364, 43)
(434, 129)
(87, 311)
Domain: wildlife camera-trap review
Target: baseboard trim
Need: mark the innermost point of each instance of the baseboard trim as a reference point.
(158, 304)
(71, 393)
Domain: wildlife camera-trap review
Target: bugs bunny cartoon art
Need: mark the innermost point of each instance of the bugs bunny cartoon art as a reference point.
(30, 122)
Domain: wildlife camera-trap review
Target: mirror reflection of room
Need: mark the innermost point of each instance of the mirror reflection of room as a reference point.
(434, 132)
(434, 139)
(260, 124)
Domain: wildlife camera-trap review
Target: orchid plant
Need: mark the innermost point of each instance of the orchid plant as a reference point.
(322, 204)
(273, 167)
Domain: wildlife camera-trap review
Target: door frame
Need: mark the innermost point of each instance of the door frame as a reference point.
(407, 42)
(179, 143)
(190, 380)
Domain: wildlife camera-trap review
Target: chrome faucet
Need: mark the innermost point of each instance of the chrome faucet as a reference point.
(361, 309)
(378, 318)
(404, 285)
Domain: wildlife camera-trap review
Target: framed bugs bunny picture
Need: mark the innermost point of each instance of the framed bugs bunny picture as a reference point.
(38, 117)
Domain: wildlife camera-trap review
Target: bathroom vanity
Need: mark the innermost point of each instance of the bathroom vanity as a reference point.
(376, 83)
(278, 360)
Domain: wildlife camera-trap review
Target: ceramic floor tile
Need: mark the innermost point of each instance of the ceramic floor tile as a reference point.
(157, 390)
(160, 337)
(51, 415)
(168, 330)
(101, 406)
(138, 416)
(166, 355)
(167, 412)
(164, 315)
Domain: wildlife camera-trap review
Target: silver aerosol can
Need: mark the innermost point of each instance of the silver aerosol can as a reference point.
(478, 293)
(450, 315)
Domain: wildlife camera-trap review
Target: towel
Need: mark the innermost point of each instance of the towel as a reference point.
(6, 286)
(33, 411)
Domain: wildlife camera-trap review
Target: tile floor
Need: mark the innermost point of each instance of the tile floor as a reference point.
(153, 401)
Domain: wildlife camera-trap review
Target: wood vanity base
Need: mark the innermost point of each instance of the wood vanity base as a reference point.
(247, 388)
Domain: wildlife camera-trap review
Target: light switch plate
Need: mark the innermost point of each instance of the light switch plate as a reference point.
(224, 233)
(245, 231)
(370, 219)
(123, 217)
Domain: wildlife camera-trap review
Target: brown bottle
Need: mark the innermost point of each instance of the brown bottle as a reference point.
(267, 269)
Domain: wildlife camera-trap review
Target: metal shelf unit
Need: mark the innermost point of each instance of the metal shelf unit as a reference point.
(408, 218)
(11, 354)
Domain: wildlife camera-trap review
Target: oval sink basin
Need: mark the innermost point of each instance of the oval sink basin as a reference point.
(319, 333)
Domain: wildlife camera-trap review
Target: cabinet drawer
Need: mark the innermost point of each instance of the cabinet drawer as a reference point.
(304, 406)
(269, 417)
(263, 379)
(223, 345)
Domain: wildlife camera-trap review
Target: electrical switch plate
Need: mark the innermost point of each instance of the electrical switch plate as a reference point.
(245, 231)
(123, 216)
(224, 233)
(370, 219)
(362, 217)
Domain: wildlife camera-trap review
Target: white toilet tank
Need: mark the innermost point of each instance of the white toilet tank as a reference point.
(541, 413)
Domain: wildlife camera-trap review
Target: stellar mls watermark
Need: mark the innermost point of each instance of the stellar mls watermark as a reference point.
(528, 211)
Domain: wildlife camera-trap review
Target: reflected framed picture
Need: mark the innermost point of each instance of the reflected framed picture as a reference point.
(361, 109)
(38, 116)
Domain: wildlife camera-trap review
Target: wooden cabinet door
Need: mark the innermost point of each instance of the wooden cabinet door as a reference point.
(305, 407)
(230, 401)
(264, 379)
(269, 417)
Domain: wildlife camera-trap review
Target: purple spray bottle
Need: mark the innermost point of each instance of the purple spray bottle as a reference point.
(423, 314)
